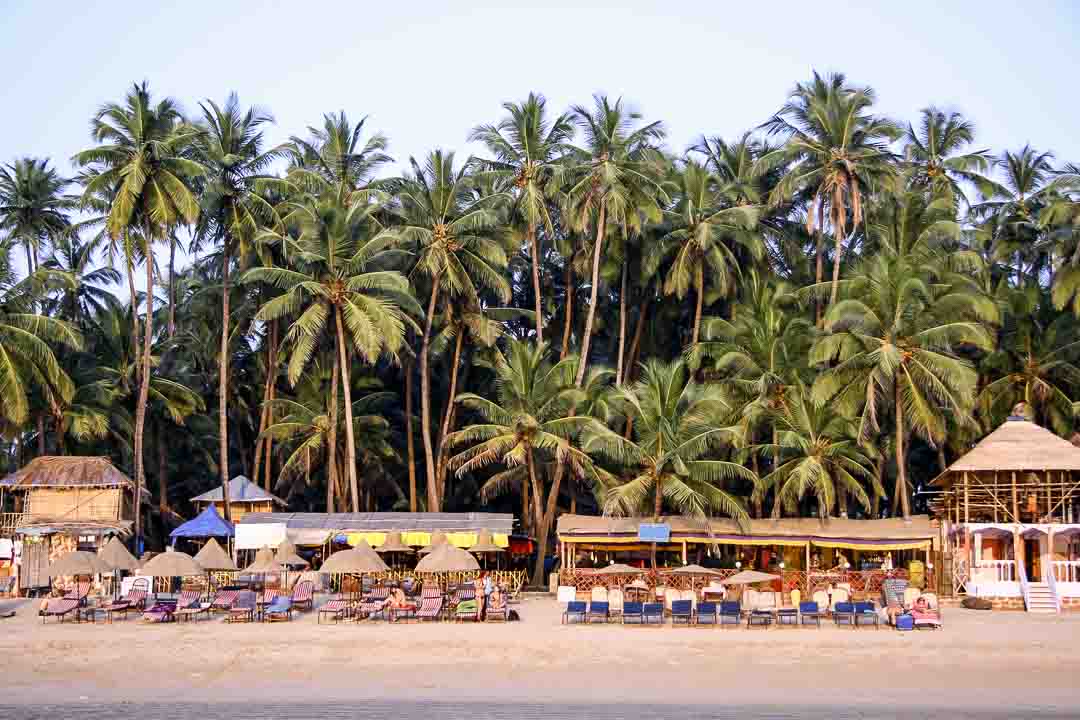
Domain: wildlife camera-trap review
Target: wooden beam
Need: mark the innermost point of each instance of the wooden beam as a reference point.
(1015, 502)
(991, 494)
(967, 509)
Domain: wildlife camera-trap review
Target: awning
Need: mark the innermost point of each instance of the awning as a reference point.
(458, 539)
(871, 545)
(678, 541)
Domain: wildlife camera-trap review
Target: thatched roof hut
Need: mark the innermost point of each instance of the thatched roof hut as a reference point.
(1016, 445)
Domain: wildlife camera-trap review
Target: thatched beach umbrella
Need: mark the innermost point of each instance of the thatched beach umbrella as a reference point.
(447, 559)
(286, 555)
(172, 563)
(359, 560)
(393, 543)
(694, 570)
(264, 562)
(620, 569)
(438, 538)
(749, 577)
(485, 544)
(116, 556)
(213, 557)
(78, 563)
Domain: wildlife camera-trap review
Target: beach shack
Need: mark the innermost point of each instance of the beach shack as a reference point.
(808, 554)
(1010, 511)
(244, 497)
(64, 504)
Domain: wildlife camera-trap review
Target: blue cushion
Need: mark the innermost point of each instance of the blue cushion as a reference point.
(681, 607)
(808, 606)
(632, 608)
(654, 609)
(705, 608)
(598, 607)
(845, 607)
(575, 606)
(729, 606)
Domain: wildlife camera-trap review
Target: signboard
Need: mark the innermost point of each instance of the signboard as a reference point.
(654, 532)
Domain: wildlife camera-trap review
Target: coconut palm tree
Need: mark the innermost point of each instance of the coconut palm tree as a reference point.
(615, 181)
(142, 162)
(334, 156)
(454, 234)
(86, 294)
(532, 414)
(33, 208)
(817, 453)
(527, 145)
(936, 159)
(230, 148)
(670, 458)
(335, 277)
(838, 152)
(698, 245)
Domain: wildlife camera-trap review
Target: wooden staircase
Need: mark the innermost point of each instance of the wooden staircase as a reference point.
(1040, 598)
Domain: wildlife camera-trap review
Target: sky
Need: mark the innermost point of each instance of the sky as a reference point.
(425, 73)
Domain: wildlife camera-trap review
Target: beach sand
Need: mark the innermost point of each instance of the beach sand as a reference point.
(981, 659)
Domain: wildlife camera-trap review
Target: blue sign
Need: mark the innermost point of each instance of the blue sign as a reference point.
(654, 532)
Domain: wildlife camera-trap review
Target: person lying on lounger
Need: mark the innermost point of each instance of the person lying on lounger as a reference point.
(922, 611)
(396, 601)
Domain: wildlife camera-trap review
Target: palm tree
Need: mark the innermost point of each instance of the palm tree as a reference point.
(934, 154)
(818, 453)
(230, 148)
(838, 152)
(86, 296)
(701, 228)
(33, 208)
(615, 183)
(676, 434)
(533, 413)
(141, 159)
(335, 278)
(527, 145)
(454, 235)
(334, 157)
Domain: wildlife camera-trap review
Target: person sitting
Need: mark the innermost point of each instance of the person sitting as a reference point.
(395, 601)
(497, 602)
(921, 610)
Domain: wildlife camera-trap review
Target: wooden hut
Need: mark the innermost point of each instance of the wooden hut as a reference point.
(244, 497)
(67, 503)
(1011, 512)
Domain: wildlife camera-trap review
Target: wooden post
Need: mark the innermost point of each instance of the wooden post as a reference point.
(967, 504)
(683, 552)
(1015, 501)
(967, 520)
(807, 568)
(1049, 490)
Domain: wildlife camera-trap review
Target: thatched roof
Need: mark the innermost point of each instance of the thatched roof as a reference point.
(116, 556)
(213, 557)
(1017, 445)
(264, 562)
(393, 543)
(484, 544)
(287, 557)
(241, 490)
(571, 526)
(447, 558)
(78, 562)
(387, 522)
(360, 559)
(172, 563)
(67, 472)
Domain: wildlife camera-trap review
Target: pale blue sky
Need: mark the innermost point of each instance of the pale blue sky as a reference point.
(426, 72)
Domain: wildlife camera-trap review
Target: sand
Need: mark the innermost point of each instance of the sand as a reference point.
(981, 659)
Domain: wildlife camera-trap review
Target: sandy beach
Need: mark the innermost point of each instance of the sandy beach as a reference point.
(981, 660)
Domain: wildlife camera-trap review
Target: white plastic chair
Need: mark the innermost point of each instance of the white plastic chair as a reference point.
(599, 594)
(615, 600)
(822, 599)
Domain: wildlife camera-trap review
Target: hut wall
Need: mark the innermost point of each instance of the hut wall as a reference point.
(239, 510)
(74, 503)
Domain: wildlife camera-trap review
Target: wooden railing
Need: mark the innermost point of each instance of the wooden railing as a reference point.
(1003, 570)
(1066, 570)
(8, 523)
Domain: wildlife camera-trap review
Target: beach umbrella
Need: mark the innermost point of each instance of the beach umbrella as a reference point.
(171, 563)
(485, 544)
(749, 577)
(116, 556)
(213, 557)
(446, 559)
(393, 543)
(78, 563)
(694, 570)
(286, 555)
(620, 569)
(438, 538)
(359, 560)
(264, 562)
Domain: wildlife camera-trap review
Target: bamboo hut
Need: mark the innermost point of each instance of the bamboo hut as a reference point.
(244, 497)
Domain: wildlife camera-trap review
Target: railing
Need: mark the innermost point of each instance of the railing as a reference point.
(8, 523)
(1051, 582)
(1066, 570)
(1021, 574)
(1004, 570)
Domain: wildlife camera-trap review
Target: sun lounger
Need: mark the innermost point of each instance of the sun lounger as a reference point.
(467, 610)
(653, 613)
(430, 591)
(159, 612)
(399, 614)
(575, 612)
(374, 601)
(303, 594)
(865, 614)
(497, 615)
(280, 608)
(927, 619)
(244, 607)
(682, 611)
(706, 614)
(430, 608)
(79, 593)
(810, 612)
(223, 601)
(599, 611)
(336, 608)
(730, 612)
(633, 613)
(59, 608)
(132, 602)
(844, 614)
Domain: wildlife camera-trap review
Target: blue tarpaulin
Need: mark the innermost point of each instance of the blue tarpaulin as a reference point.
(207, 524)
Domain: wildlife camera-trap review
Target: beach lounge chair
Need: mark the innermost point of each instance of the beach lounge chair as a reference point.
(809, 611)
(244, 607)
(865, 614)
(707, 613)
(223, 600)
(930, 620)
(682, 611)
(160, 612)
(730, 612)
(575, 612)
(132, 602)
(190, 605)
(373, 603)
(839, 595)
(599, 611)
(653, 613)
(500, 615)
(280, 608)
(844, 613)
(467, 610)
(430, 608)
(303, 595)
(401, 614)
(79, 592)
(336, 608)
(633, 613)
(59, 608)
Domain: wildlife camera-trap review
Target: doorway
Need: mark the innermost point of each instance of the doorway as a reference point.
(1032, 559)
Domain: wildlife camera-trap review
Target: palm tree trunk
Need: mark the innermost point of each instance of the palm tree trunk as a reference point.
(133, 295)
(819, 271)
(425, 404)
(144, 389)
(40, 434)
(568, 323)
(635, 344)
(331, 450)
(29, 258)
(586, 335)
(699, 289)
(223, 378)
(172, 284)
(543, 529)
(350, 441)
(449, 414)
(658, 507)
(622, 324)
(163, 480)
(535, 251)
(264, 416)
(268, 467)
(838, 250)
(410, 443)
(879, 471)
(901, 470)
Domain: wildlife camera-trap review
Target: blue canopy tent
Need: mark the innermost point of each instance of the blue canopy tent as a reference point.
(207, 524)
